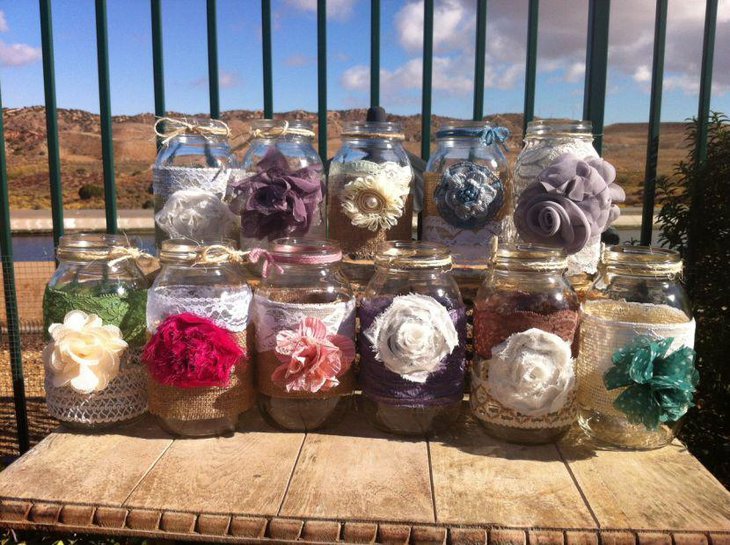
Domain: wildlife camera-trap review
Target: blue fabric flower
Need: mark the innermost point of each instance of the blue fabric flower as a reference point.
(469, 195)
(659, 386)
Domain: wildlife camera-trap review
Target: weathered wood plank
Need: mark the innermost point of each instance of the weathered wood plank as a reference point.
(354, 472)
(480, 480)
(82, 468)
(244, 474)
(660, 489)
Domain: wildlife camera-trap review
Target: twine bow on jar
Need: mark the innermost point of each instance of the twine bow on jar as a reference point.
(218, 254)
(168, 128)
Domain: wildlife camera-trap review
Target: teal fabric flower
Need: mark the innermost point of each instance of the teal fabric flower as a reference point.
(659, 386)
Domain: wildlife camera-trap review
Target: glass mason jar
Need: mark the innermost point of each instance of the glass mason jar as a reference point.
(412, 340)
(198, 387)
(370, 193)
(636, 373)
(94, 311)
(304, 323)
(545, 141)
(525, 336)
(190, 178)
(281, 188)
(467, 193)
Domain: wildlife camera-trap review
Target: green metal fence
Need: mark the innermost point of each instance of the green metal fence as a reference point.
(594, 103)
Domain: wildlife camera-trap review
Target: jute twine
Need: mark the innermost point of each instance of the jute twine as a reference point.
(114, 255)
(177, 127)
(266, 364)
(218, 254)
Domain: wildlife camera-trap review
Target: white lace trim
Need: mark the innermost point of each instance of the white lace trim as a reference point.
(227, 307)
(167, 180)
(271, 317)
(586, 260)
(389, 170)
(468, 246)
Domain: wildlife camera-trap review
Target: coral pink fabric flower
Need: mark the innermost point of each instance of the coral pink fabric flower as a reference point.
(188, 351)
(312, 359)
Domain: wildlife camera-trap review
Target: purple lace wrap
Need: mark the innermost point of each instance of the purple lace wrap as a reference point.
(444, 386)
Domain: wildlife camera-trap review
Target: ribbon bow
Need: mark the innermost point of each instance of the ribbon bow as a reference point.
(117, 254)
(490, 135)
(176, 127)
(218, 254)
(269, 261)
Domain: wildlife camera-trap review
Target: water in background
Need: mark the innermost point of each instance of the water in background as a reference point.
(39, 247)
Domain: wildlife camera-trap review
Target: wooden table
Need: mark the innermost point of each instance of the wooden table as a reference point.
(353, 484)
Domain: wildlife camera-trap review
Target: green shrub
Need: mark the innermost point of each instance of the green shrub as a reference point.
(89, 191)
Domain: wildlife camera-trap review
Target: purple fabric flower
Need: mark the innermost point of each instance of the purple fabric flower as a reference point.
(276, 201)
(570, 203)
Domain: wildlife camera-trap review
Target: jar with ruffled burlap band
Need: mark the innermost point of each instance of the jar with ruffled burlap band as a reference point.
(198, 374)
(303, 316)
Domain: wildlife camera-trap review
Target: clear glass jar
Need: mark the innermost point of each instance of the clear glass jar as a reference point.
(281, 188)
(412, 340)
(525, 337)
(545, 141)
(623, 396)
(370, 193)
(190, 179)
(467, 194)
(97, 283)
(201, 297)
(304, 311)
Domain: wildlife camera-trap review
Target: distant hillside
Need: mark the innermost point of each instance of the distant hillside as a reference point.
(134, 149)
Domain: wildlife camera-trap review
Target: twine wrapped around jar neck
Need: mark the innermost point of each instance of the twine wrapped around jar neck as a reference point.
(641, 261)
(113, 255)
(178, 127)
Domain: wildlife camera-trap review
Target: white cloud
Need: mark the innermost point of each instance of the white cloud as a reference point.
(226, 80)
(339, 10)
(3, 22)
(18, 54)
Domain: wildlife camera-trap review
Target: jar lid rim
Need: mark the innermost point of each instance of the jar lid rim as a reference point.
(402, 254)
(541, 127)
(642, 260)
(305, 251)
(534, 257)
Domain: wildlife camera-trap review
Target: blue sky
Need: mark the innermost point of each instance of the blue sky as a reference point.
(560, 62)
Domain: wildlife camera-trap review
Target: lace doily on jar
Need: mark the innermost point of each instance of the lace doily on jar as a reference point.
(124, 399)
(390, 170)
(607, 326)
(270, 317)
(468, 246)
(167, 180)
(226, 307)
(196, 214)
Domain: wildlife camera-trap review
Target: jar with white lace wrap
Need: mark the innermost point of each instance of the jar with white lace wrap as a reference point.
(370, 192)
(94, 312)
(190, 179)
(545, 141)
(467, 194)
(525, 337)
(303, 315)
(199, 377)
(636, 364)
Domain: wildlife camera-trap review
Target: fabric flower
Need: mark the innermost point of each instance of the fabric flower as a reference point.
(188, 351)
(277, 202)
(412, 336)
(659, 386)
(373, 202)
(569, 204)
(469, 195)
(531, 372)
(84, 353)
(311, 358)
(195, 214)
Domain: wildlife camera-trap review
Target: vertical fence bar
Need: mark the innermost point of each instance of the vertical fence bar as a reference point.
(11, 301)
(213, 88)
(158, 70)
(655, 118)
(594, 99)
(49, 85)
(322, 77)
(374, 53)
(479, 60)
(531, 63)
(105, 113)
(427, 79)
(266, 53)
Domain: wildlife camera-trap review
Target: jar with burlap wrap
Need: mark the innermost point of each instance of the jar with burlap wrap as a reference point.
(636, 364)
(412, 341)
(525, 336)
(467, 193)
(370, 193)
(94, 312)
(303, 316)
(198, 375)
(190, 180)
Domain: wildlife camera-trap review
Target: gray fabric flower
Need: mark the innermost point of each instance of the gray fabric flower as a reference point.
(570, 203)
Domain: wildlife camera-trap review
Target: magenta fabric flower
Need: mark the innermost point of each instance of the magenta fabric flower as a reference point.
(311, 359)
(570, 203)
(276, 201)
(188, 351)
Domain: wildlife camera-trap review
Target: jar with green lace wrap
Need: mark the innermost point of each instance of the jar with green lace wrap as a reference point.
(94, 309)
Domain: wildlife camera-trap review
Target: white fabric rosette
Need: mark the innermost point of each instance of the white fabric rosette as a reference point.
(195, 214)
(412, 336)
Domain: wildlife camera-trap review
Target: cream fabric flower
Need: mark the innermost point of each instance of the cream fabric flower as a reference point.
(531, 372)
(84, 353)
(373, 202)
(412, 336)
(197, 215)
